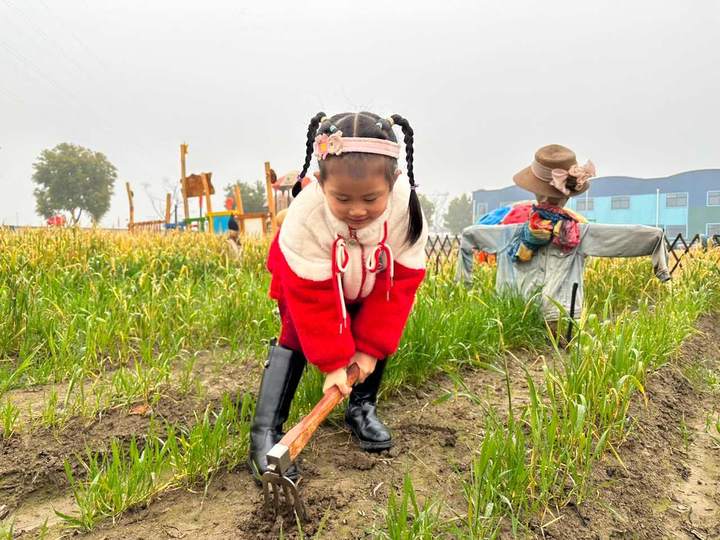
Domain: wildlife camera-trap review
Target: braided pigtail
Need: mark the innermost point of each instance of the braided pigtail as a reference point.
(315, 122)
(415, 219)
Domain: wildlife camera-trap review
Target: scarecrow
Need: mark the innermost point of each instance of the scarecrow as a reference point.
(546, 252)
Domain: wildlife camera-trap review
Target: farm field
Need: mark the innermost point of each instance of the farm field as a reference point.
(128, 365)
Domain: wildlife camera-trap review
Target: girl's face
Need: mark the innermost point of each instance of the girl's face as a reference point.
(356, 201)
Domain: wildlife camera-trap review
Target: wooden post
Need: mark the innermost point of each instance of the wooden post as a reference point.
(238, 199)
(168, 203)
(131, 221)
(270, 197)
(183, 177)
(239, 208)
(207, 192)
(208, 203)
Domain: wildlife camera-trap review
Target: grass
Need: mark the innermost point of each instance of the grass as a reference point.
(217, 440)
(407, 519)
(119, 318)
(685, 433)
(703, 377)
(131, 475)
(541, 456)
(498, 482)
(117, 481)
(7, 531)
(73, 299)
(712, 428)
(9, 415)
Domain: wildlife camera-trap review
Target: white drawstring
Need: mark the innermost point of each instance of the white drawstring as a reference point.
(340, 266)
(373, 262)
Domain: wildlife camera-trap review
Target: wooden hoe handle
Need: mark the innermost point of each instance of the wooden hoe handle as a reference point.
(296, 439)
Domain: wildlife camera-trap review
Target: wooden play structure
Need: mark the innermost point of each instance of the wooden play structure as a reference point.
(195, 186)
(156, 225)
(200, 186)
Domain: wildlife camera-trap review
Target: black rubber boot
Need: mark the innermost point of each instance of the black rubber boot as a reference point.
(361, 413)
(283, 369)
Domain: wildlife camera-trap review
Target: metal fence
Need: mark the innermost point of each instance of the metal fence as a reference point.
(679, 248)
(442, 248)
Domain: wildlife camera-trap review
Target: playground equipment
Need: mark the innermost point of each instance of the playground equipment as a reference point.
(283, 190)
(152, 225)
(253, 223)
(271, 177)
(195, 186)
(200, 186)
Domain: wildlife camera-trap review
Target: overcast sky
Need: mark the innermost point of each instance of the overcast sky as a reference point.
(633, 85)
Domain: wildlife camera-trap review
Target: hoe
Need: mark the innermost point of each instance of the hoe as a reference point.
(277, 486)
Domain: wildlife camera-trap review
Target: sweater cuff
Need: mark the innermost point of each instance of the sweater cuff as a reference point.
(365, 347)
(332, 366)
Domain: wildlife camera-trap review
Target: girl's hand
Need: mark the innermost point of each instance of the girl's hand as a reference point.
(339, 378)
(366, 363)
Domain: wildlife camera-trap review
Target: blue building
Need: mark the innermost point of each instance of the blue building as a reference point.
(687, 203)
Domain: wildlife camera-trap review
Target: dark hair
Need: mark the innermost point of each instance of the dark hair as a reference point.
(366, 124)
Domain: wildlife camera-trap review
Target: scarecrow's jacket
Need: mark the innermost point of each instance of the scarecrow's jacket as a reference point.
(322, 272)
(552, 271)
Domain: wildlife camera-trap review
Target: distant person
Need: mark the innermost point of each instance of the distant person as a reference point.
(547, 253)
(233, 235)
(345, 268)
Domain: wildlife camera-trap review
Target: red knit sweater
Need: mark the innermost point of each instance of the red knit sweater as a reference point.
(319, 266)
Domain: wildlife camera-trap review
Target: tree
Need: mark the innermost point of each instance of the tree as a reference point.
(73, 179)
(253, 197)
(459, 214)
(428, 208)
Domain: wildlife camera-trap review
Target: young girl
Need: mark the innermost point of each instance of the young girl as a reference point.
(345, 268)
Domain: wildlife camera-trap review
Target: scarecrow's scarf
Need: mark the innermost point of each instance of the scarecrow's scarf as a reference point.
(546, 224)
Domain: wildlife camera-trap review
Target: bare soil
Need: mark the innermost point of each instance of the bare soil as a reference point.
(32, 474)
(668, 483)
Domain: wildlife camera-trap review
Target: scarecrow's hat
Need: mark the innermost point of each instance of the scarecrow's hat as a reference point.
(555, 173)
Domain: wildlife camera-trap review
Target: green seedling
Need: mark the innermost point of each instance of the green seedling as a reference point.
(9, 417)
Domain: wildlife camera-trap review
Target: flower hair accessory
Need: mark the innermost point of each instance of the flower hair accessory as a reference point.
(335, 145)
(582, 174)
(555, 172)
(328, 144)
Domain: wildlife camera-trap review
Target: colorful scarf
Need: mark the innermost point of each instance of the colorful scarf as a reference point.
(547, 224)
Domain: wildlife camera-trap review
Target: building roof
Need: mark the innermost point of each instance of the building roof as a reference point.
(695, 182)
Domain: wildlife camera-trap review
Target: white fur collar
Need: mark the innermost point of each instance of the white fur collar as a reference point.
(309, 230)
(370, 233)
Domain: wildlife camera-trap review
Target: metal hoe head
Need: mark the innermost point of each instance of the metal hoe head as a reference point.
(277, 486)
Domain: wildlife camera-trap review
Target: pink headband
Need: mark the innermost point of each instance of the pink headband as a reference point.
(336, 144)
(557, 178)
